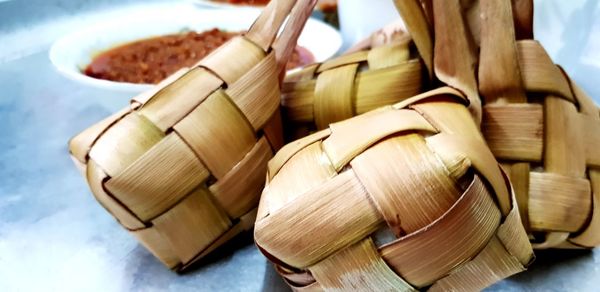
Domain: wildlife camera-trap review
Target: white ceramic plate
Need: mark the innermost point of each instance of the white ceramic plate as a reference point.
(74, 52)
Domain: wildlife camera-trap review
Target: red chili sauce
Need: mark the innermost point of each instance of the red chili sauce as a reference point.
(246, 2)
(152, 60)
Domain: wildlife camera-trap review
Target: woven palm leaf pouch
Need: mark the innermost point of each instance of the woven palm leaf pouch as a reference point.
(539, 124)
(183, 167)
(381, 72)
(546, 132)
(401, 198)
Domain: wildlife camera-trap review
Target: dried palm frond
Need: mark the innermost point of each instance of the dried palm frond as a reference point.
(401, 198)
(183, 168)
(381, 72)
(541, 126)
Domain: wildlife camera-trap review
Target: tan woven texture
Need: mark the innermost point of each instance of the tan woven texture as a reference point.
(547, 136)
(541, 126)
(401, 198)
(549, 144)
(354, 83)
(183, 168)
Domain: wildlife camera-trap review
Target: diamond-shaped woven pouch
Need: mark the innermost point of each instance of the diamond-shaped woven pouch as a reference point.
(538, 123)
(401, 198)
(351, 84)
(182, 168)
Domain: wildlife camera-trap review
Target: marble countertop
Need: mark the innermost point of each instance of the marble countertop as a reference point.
(55, 237)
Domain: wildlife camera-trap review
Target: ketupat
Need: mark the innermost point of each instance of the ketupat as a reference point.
(354, 83)
(538, 123)
(418, 172)
(183, 168)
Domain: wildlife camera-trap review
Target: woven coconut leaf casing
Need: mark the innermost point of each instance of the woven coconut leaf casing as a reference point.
(538, 123)
(401, 198)
(182, 168)
(546, 132)
(351, 84)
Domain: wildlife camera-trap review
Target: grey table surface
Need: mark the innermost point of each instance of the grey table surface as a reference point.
(55, 237)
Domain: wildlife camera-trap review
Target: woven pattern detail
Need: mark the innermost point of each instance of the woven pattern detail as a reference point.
(549, 146)
(340, 88)
(541, 126)
(183, 169)
(400, 198)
